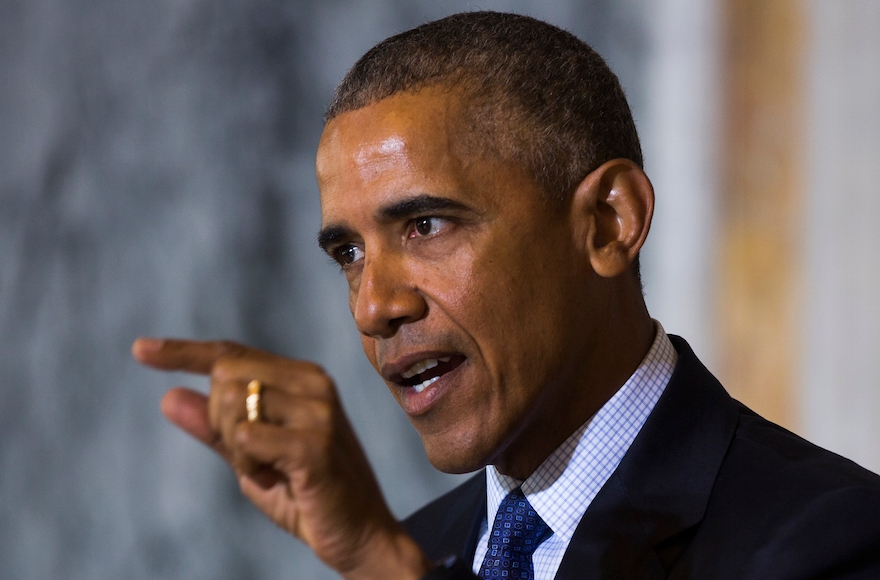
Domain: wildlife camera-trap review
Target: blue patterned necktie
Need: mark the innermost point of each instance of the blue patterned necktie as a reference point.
(516, 532)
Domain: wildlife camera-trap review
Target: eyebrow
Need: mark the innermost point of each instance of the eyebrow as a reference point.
(419, 205)
(332, 234)
(402, 209)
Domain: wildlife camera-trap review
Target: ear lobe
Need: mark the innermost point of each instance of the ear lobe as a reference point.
(613, 207)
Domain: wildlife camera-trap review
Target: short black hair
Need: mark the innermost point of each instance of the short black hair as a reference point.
(535, 93)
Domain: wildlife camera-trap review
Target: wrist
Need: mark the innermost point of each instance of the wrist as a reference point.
(395, 555)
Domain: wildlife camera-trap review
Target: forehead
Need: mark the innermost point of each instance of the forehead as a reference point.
(410, 140)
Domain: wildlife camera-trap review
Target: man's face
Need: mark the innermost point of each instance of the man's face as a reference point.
(467, 286)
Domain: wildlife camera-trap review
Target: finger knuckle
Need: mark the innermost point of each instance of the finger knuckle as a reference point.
(320, 381)
(229, 396)
(321, 412)
(229, 348)
(226, 368)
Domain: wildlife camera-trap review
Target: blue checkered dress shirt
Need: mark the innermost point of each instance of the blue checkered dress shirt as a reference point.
(562, 488)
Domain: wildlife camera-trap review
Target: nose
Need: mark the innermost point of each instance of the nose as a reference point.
(385, 297)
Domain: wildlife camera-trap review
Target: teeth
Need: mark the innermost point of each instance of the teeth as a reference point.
(424, 385)
(420, 367)
(424, 365)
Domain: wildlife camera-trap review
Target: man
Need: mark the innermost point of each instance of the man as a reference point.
(481, 188)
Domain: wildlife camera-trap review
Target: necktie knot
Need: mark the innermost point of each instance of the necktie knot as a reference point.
(516, 532)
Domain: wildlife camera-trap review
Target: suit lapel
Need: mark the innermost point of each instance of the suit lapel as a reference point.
(643, 518)
(450, 525)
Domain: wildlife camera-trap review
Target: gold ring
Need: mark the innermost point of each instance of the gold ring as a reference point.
(253, 400)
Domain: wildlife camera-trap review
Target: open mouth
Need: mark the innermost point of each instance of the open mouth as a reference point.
(426, 372)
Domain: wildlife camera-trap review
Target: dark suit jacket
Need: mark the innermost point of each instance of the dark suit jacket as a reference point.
(708, 490)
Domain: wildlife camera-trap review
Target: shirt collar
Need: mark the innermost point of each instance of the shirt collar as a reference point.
(565, 484)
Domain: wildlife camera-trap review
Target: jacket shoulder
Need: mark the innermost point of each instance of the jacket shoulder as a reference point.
(790, 508)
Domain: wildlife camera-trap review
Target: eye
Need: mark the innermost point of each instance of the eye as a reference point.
(349, 254)
(426, 226)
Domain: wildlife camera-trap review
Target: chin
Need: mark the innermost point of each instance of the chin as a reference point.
(459, 454)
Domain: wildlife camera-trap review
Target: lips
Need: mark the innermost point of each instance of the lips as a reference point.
(420, 371)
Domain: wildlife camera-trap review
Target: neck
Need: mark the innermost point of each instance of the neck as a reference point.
(615, 349)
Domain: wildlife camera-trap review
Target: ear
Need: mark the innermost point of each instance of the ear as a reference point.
(612, 208)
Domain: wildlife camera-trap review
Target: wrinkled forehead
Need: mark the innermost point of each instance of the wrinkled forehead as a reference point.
(389, 135)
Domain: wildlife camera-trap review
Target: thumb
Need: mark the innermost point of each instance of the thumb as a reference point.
(188, 410)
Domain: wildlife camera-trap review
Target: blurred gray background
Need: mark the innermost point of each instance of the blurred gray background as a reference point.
(156, 178)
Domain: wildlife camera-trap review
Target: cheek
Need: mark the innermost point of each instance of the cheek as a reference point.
(369, 345)
(496, 287)
(519, 303)
(459, 289)
(352, 299)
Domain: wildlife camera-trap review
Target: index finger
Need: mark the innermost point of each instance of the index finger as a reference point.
(192, 356)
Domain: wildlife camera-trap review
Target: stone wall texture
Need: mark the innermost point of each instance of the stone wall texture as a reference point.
(157, 178)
